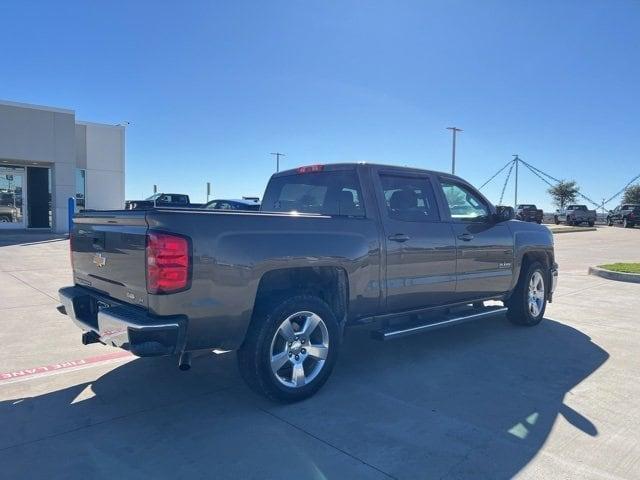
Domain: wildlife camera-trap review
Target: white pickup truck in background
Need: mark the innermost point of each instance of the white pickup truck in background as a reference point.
(575, 215)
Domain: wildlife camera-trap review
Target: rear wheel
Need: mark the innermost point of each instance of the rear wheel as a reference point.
(591, 223)
(626, 223)
(609, 222)
(556, 221)
(289, 353)
(529, 300)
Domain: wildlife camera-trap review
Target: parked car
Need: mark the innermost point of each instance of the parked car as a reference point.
(627, 214)
(9, 214)
(528, 212)
(575, 215)
(173, 200)
(333, 246)
(240, 204)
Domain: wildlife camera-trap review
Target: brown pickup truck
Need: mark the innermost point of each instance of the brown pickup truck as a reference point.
(528, 212)
(404, 249)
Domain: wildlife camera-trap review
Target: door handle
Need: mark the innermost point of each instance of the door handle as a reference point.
(399, 237)
(466, 237)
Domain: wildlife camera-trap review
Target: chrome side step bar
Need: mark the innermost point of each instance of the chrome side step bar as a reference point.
(403, 330)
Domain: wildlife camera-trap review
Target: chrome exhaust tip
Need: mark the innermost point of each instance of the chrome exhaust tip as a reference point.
(184, 362)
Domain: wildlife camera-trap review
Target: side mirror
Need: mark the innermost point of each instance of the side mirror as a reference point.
(504, 213)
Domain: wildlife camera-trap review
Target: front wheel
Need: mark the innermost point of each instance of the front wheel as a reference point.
(529, 299)
(591, 223)
(556, 220)
(626, 223)
(609, 222)
(289, 353)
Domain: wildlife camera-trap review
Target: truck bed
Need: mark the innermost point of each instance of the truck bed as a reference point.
(230, 252)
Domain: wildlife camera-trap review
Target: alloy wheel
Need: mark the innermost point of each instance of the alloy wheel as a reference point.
(536, 294)
(299, 349)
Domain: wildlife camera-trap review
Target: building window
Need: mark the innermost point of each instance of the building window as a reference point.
(81, 187)
(11, 201)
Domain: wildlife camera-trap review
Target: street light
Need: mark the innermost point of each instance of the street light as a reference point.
(454, 130)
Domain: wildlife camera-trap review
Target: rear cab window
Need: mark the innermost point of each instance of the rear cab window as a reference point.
(333, 192)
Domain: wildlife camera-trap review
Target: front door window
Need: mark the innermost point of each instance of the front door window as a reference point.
(464, 205)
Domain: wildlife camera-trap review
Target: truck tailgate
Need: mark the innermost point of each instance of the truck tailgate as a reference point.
(108, 253)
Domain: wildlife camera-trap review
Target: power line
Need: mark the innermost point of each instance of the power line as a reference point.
(533, 170)
(506, 180)
(531, 167)
(622, 189)
(550, 180)
(496, 174)
(536, 170)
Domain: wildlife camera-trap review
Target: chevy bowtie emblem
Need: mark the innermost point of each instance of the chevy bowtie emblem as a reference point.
(99, 260)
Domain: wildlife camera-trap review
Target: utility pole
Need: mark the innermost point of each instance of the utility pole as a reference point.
(454, 130)
(517, 160)
(278, 155)
(208, 190)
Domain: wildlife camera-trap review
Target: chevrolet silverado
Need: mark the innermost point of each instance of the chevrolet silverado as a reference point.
(404, 249)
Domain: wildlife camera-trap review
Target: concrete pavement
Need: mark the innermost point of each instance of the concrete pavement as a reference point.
(484, 400)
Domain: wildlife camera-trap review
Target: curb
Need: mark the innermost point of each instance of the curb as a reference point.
(619, 276)
(572, 229)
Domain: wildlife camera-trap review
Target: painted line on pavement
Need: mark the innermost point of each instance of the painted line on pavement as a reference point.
(61, 367)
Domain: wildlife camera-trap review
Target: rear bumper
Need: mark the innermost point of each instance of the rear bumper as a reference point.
(121, 325)
(529, 217)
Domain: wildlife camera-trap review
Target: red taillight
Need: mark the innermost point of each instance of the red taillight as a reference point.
(310, 168)
(168, 263)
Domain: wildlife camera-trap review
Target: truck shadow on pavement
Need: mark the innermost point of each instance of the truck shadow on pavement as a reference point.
(474, 401)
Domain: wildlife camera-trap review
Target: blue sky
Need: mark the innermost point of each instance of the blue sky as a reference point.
(211, 88)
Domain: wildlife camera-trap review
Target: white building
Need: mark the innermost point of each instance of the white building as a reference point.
(47, 156)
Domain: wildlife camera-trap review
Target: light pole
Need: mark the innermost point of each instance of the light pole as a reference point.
(454, 130)
(517, 160)
(278, 155)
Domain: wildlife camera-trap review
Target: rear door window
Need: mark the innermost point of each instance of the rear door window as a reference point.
(409, 199)
(335, 193)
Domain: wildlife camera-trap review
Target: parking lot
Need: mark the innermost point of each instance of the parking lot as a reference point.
(480, 400)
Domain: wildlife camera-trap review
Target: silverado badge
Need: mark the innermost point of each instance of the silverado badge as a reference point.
(99, 260)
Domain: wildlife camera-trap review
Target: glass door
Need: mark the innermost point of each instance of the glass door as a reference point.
(12, 197)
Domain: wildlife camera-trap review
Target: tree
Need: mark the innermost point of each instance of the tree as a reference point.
(632, 194)
(564, 192)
